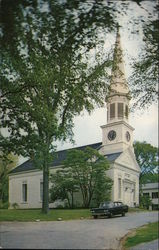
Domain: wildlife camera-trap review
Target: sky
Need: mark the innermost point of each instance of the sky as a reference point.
(87, 127)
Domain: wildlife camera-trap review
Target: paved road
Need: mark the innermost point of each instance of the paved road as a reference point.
(153, 245)
(79, 234)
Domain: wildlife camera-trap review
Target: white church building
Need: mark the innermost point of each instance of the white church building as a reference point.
(26, 181)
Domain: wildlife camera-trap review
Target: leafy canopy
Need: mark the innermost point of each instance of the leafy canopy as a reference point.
(7, 163)
(88, 168)
(147, 158)
(46, 78)
(144, 79)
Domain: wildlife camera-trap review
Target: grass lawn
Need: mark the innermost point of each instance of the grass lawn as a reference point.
(145, 233)
(53, 215)
(35, 214)
(135, 209)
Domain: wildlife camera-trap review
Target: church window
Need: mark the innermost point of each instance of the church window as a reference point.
(24, 192)
(112, 110)
(126, 111)
(41, 190)
(119, 188)
(120, 110)
(155, 195)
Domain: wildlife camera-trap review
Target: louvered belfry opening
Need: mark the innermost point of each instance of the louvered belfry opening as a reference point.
(112, 110)
(120, 110)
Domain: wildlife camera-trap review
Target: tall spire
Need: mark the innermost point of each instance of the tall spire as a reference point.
(119, 95)
(118, 81)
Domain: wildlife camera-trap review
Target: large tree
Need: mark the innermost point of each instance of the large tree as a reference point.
(88, 168)
(45, 76)
(147, 158)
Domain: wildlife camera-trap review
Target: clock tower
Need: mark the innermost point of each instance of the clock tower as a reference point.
(117, 134)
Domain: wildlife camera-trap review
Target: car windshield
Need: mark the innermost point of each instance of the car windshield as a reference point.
(106, 204)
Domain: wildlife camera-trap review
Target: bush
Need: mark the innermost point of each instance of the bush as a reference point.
(145, 201)
(15, 205)
(4, 205)
(60, 206)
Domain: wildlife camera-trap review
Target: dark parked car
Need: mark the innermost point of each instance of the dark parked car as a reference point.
(109, 209)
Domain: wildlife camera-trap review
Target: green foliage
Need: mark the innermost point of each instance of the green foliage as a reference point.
(145, 201)
(7, 162)
(147, 158)
(15, 205)
(145, 233)
(102, 190)
(150, 178)
(36, 214)
(88, 169)
(46, 78)
(63, 187)
(4, 205)
(144, 80)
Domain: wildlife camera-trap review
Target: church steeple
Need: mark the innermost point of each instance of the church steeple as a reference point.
(119, 94)
(117, 134)
(118, 81)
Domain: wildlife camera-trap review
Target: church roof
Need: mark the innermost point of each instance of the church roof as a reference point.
(113, 157)
(60, 157)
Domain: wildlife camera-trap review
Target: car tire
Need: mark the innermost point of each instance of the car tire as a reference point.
(123, 214)
(95, 216)
(110, 215)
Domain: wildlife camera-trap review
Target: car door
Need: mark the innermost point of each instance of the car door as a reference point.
(115, 208)
(120, 208)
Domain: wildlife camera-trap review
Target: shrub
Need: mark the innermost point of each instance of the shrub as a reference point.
(60, 206)
(4, 205)
(15, 205)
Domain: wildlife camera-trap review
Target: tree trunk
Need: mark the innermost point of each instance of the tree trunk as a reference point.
(72, 200)
(45, 204)
(69, 204)
(90, 197)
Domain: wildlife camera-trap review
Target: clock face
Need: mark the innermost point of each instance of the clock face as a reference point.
(128, 136)
(111, 135)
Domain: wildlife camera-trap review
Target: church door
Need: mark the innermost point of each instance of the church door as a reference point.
(129, 194)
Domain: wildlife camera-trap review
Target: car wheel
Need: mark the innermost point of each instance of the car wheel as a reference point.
(95, 216)
(110, 215)
(123, 214)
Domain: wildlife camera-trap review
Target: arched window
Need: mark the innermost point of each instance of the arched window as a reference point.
(120, 110)
(112, 110)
